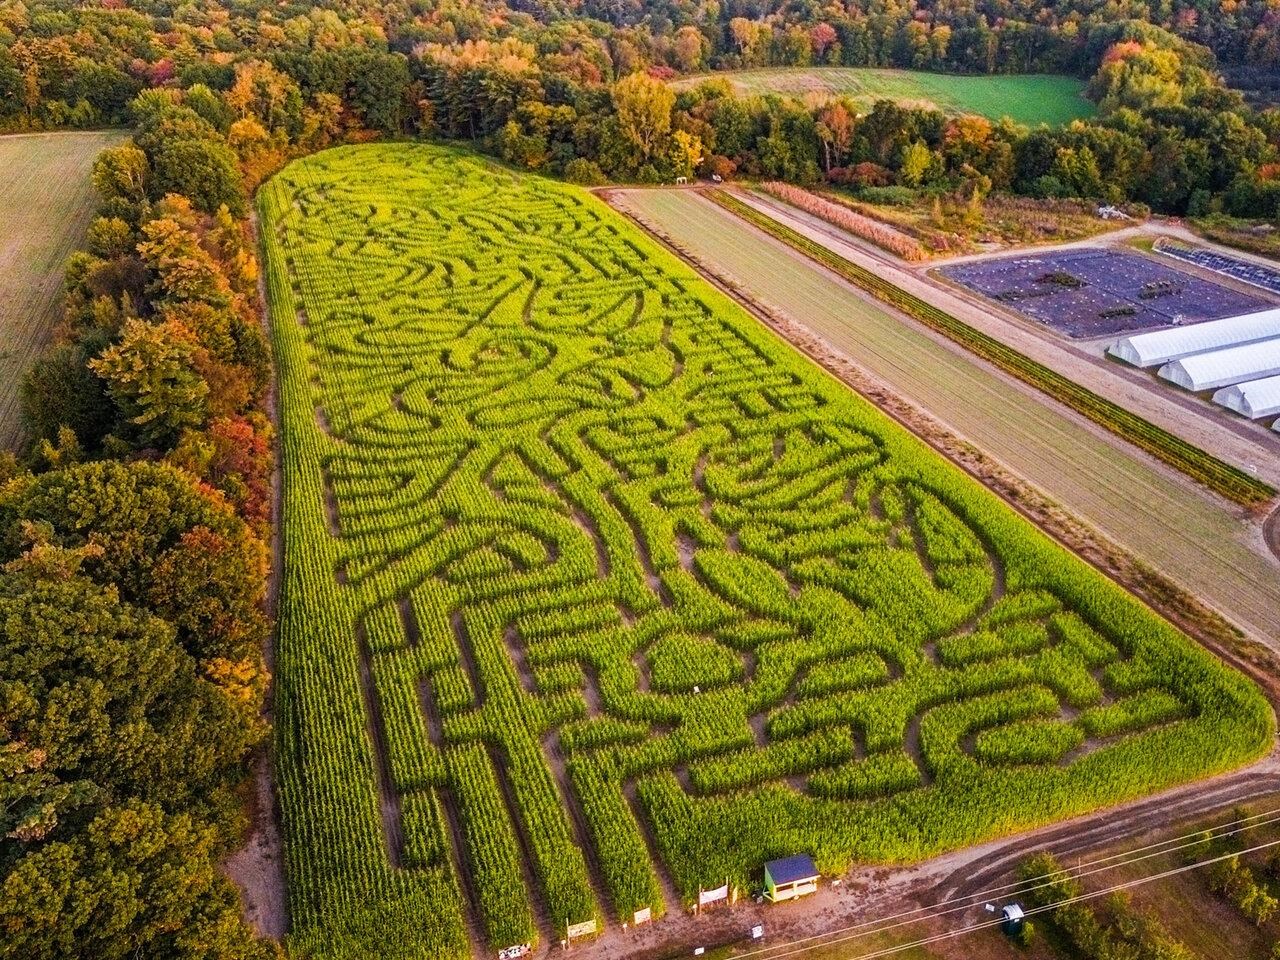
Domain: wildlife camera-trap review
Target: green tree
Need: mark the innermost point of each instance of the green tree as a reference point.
(101, 693)
(380, 83)
(110, 237)
(59, 390)
(151, 376)
(167, 544)
(135, 884)
(122, 173)
(1077, 171)
(643, 108)
(203, 169)
(917, 159)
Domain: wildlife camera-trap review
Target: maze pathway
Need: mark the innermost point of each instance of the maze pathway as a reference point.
(596, 594)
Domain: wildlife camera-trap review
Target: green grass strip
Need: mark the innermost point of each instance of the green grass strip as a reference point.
(1220, 477)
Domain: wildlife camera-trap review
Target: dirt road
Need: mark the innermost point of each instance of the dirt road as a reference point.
(954, 887)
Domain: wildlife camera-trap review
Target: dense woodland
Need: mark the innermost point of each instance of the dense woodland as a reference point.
(575, 90)
(133, 539)
(134, 531)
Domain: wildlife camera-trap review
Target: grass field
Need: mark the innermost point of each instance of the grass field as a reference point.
(1208, 550)
(1027, 98)
(46, 201)
(597, 593)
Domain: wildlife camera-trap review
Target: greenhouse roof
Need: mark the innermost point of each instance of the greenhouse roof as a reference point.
(1149, 349)
(1205, 371)
(1253, 399)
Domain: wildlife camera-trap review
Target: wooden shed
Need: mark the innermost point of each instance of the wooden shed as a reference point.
(789, 878)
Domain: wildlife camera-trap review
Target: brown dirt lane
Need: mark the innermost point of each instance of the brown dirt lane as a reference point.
(1198, 540)
(876, 906)
(257, 868)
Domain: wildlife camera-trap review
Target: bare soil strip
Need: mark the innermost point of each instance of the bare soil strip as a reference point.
(257, 868)
(388, 796)
(537, 897)
(554, 754)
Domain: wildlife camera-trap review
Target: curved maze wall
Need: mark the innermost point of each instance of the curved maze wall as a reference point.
(596, 593)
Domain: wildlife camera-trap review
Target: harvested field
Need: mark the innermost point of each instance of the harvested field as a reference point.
(1030, 98)
(597, 594)
(1193, 537)
(46, 202)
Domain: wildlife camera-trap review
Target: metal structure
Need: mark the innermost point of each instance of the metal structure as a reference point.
(1208, 371)
(1163, 346)
(1254, 399)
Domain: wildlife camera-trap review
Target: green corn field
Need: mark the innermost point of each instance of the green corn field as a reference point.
(595, 592)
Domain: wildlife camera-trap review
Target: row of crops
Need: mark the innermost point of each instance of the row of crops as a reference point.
(595, 593)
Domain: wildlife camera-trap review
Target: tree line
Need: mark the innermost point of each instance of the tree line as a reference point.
(134, 546)
(579, 93)
(1169, 135)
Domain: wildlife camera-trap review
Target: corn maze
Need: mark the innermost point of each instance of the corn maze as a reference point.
(595, 593)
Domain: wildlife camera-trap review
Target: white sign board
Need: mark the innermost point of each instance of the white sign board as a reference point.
(711, 896)
(643, 915)
(757, 932)
(513, 953)
(584, 929)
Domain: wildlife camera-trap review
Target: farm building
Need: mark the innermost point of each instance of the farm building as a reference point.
(789, 878)
(1162, 346)
(1207, 371)
(1252, 399)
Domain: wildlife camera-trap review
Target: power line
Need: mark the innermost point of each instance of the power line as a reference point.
(932, 911)
(924, 941)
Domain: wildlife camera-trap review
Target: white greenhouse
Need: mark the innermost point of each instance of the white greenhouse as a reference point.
(1252, 399)
(1208, 371)
(1150, 349)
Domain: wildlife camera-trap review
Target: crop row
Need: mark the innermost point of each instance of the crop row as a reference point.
(873, 231)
